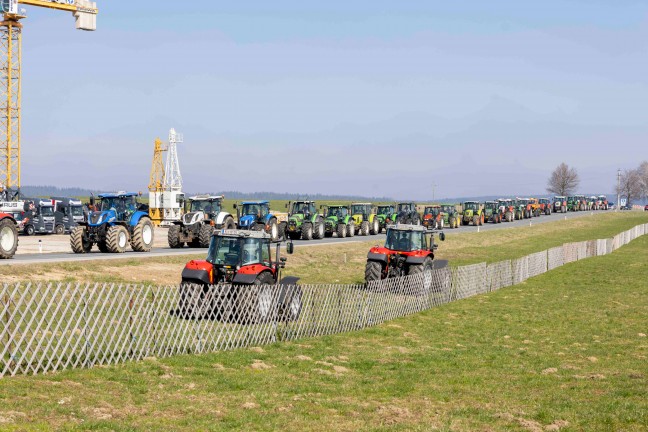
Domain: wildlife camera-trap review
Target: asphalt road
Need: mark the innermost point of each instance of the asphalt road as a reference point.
(165, 251)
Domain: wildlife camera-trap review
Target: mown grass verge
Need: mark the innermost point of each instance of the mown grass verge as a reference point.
(563, 351)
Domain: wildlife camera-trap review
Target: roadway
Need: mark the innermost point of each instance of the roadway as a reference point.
(161, 251)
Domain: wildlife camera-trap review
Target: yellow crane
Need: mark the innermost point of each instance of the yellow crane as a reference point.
(85, 14)
(156, 184)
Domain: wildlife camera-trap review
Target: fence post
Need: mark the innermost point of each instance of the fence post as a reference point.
(7, 302)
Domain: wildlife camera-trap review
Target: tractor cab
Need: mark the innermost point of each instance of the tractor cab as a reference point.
(363, 209)
(493, 206)
(251, 213)
(386, 210)
(337, 211)
(448, 208)
(302, 207)
(432, 217)
(431, 211)
(203, 207)
(471, 205)
(119, 206)
(406, 207)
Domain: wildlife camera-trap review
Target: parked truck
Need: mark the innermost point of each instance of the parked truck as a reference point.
(38, 217)
(68, 212)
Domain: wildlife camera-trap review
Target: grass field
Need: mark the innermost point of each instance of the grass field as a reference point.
(344, 263)
(564, 351)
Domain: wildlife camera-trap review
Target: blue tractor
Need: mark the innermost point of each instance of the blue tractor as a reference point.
(256, 216)
(117, 220)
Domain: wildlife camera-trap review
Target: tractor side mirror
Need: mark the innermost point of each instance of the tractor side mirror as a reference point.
(92, 200)
(290, 248)
(442, 236)
(235, 205)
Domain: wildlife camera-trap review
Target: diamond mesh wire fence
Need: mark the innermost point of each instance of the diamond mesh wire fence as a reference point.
(55, 326)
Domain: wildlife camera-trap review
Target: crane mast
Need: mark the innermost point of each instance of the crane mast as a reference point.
(85, 14)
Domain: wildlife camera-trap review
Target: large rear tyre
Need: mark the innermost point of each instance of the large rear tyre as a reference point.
(8, 238)
(116, 239)
(452, 221)
(273, 230)
(228, 223)
(350, 229)
(282, 230)
(173, 237)
(143, 236)
(364, 228)
(318, 230)
(79, 242)
(341, 230)
(256, 303)
(307, 231)
(475, 220)
(205, 235)
(375, 227)
(425, 270)
(373, 271)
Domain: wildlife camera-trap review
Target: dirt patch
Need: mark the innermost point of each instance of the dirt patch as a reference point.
(391, 414)
(250, 405)
(303, 358)
(259, 365)
(549, 371)
(257, 349)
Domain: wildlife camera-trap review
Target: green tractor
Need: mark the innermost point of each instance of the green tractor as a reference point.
(365, 219)
(472, 212)
(573, 204)
(386, 214)
(451, 217)
(492, 212)
(304, 221)
(338, 220)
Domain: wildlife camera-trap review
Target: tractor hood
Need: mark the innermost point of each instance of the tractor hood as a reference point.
(247, 221)
(101, 217)
(193, 217)
(297, 217)
(468, 213)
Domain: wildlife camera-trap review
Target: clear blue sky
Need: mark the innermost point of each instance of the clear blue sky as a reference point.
(365, 97)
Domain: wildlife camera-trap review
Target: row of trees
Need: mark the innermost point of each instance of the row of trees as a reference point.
(564, 181)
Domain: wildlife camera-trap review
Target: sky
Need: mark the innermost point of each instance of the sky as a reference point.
(374, 98)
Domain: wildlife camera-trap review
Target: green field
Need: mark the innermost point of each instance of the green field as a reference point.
(564, 351)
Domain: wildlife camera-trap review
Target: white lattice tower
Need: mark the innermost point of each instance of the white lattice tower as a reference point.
(172, 177)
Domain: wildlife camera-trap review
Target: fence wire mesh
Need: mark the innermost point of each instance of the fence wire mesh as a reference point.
(49, 327)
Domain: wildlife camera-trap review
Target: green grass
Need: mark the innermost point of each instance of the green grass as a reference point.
(564, 350)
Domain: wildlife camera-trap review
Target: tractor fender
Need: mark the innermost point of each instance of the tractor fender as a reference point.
(417, 259)
(376, 257)
(198, 270)
(221, 218)
(248, 275)
(134, 220)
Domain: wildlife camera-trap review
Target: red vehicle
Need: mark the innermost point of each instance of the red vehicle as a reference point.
(545, 206)
(235, 282)
(433, 217)
(560, 204)
(646, 208)
(8, 236)
(408, 249)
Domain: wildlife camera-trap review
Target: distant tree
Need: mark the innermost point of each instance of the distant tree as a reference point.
(630, 186)
(563, 181)
(643, 173)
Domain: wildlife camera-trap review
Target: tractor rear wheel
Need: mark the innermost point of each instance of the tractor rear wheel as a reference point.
(59, 229)
(273, 230)
(307, 231)
(228, 223)
(425, 270)
(173, 237)
(341, 230)
(282, 230)
(78, 241)
(318, 230)
(143, 236)
(452, 221)
(475, 220)
(373, 271)
(256, 303)
(364, 228)
(351, 229)
(116, 239)
(8, 238)
(205, 235)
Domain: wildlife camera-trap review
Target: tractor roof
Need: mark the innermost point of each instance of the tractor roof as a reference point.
(407, 227)
(361, 204)
(338, 206)
(255, 202)
(387, 205)
(491, 202)
(433, 206)
(602, 196)
(207, 197)
(302, 201)
(242, 234)
(119, 194)
(408, 203)
(471, 202)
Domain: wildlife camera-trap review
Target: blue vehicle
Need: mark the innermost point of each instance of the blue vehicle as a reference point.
(119, 219)
(255, 215)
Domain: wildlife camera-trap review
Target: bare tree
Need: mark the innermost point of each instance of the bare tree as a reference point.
(631, 186)
(643, 173)
(563, 181)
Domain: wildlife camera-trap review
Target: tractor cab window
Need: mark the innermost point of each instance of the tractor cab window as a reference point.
(404, 207)
(470, 206)
(431, 211)
(358, 209)
(300, 208)
(205, 206)
(61, 208)
(338, 211)
(311, 208)
(224, 251)
(405, 241)
(384, 210)
(491, 205)
(252, 209)
(447, 209)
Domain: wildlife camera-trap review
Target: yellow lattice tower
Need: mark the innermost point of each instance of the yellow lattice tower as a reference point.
(156, 183)
(10, 88)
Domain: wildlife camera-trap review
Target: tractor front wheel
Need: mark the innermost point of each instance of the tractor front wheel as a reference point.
(341, 231)
(318, 230)
(79, 242)
(29, 230)
(117, 239)
(452, 222)
(373, 271)
(364, 228)
(8, 238)
(375, 227)
(307, 231)
(174, 237)
(143, 235)
(273, 230)
(475, 220)
(351, 229)
(256, 303)
(425, 270)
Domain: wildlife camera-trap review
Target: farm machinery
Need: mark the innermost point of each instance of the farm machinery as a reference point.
(239, 282)
(338, 220)
(196, 226)
(386, 214)
(507, 209)
(256, 216)
(492, 212)
(303, 221)
(433, 217)
(121, 220)
(8, 230)
(545, 206)
(523, 209)
(603, 202)
(451, 217)
(560, 204)
(408, 250)
(536, 207)
(473, 212)
(68, 212)
(364, 219)
(406, 214)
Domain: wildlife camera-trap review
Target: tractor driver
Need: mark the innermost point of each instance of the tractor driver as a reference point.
(403, 242)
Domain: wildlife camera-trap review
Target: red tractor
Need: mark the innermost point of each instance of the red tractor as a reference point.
(239, 281)
(408, 250)
(8, 236)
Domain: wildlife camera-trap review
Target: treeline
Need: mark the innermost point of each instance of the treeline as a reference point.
(272, 196)
(47, 191)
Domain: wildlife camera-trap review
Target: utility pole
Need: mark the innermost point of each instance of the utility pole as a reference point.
(433, 191)
(618, 190)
